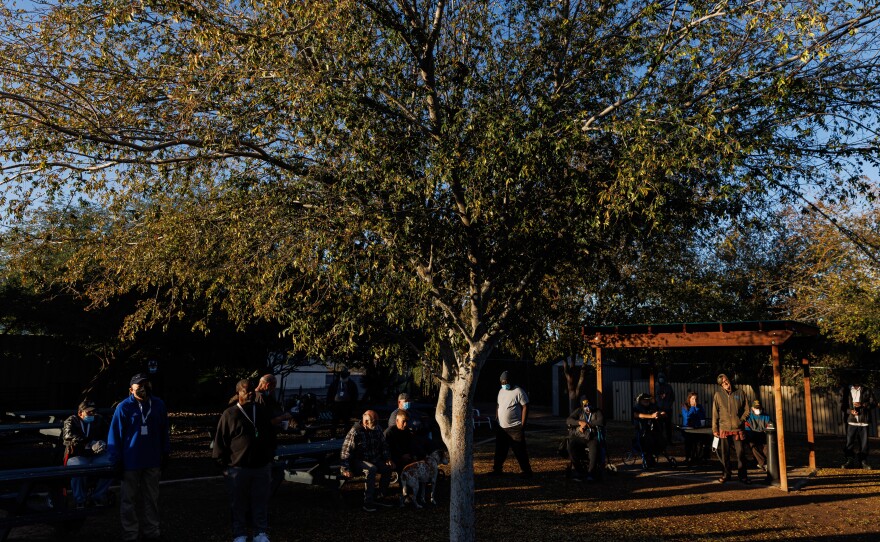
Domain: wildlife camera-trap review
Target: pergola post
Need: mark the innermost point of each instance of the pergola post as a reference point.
(780, 424)
(808, 405)
(599, 396)
(651, 382)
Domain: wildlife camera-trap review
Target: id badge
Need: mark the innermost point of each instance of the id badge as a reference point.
(144, 430)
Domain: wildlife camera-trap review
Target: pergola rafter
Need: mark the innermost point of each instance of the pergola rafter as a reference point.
(772, 333)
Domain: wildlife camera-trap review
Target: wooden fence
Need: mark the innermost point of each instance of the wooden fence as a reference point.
(827, 418)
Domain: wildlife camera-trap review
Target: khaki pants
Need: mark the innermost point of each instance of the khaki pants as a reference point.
(139, 503)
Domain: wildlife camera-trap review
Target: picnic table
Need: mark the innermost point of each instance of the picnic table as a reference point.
(47, 415)
(19, 488)
(311, 463)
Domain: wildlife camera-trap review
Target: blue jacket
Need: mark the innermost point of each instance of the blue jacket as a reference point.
(126, 442)
(692, 416)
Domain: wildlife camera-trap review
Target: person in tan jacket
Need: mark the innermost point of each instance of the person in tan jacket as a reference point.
(729, 411)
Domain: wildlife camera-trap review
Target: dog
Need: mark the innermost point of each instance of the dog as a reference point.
(415, 478)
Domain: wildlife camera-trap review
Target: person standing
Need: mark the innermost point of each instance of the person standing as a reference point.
(244, 447)
(756, 433)
(693, 416)
(856, 402)
(139, 443)
(511, 414)
(342, 396)
(83, 436)
(665, 397)
(729, 411)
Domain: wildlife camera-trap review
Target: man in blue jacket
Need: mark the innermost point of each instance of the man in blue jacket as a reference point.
(139, 443)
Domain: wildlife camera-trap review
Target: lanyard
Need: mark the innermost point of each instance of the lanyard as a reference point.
(85, 427)
(147, 415)
(252, 420)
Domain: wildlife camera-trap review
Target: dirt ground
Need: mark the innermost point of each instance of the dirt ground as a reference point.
(664, 504)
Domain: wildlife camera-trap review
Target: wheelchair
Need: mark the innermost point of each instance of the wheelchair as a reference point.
(581, 463)
(648, 446)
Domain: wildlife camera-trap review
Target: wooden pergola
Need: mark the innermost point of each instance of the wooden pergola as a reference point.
(772, 333)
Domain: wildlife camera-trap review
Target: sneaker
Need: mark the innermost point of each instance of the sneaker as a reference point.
(239, 539)
(763, 467)
(745, 480)
(261, 537)
(722, 479)
(865, 465)
(369, 506)
(576, 478)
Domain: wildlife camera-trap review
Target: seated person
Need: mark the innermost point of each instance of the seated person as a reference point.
(85, 443)
(756, 436)
(419, 424)
(585, 426)
(403, 445)
(645, 416)
(693, 416)
(365, 450)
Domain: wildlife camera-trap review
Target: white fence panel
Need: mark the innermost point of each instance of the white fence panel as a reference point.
(827, 418)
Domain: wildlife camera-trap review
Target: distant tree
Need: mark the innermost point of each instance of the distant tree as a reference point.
(834, 279)
(417, 170)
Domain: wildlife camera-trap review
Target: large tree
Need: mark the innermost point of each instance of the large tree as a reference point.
(415, 168)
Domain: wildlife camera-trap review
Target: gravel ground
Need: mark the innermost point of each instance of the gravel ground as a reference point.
(666, 504)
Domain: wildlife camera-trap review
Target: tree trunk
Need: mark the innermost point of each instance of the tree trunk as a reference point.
(462, 506)
(454, 414)
(574, 380)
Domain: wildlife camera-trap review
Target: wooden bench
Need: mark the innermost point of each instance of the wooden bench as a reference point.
(18, 486)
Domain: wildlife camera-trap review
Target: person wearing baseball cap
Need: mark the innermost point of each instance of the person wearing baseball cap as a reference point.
(756, 433)
(139, 443)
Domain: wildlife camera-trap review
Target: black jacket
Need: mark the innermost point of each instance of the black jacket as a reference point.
(75, 439)
(242, 441)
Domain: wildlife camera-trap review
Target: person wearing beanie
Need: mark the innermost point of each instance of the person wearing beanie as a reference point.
(511, 415)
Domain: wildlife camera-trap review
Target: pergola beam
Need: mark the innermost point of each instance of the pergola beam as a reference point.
(729, 339)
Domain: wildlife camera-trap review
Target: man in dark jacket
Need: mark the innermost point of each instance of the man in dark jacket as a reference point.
(244, 447)
(729, 411)
(341, 397)
(403, 445)
(585, 425)
(856, 402)
(84, 436)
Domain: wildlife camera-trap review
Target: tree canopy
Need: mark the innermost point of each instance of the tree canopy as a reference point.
(414, 169)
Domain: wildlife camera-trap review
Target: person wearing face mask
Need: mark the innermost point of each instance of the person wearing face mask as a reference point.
(585, 433)
(511, 415)
(341, 397)
(856, 403)
(139, 443)
(83, 435)
(756, 433)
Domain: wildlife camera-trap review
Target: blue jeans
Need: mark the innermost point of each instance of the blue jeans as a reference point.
(80, 484)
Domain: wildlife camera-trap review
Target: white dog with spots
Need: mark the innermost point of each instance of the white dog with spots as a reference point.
(416, 476)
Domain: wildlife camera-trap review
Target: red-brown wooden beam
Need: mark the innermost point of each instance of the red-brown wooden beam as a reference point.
(808, 406)
(690, 340)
